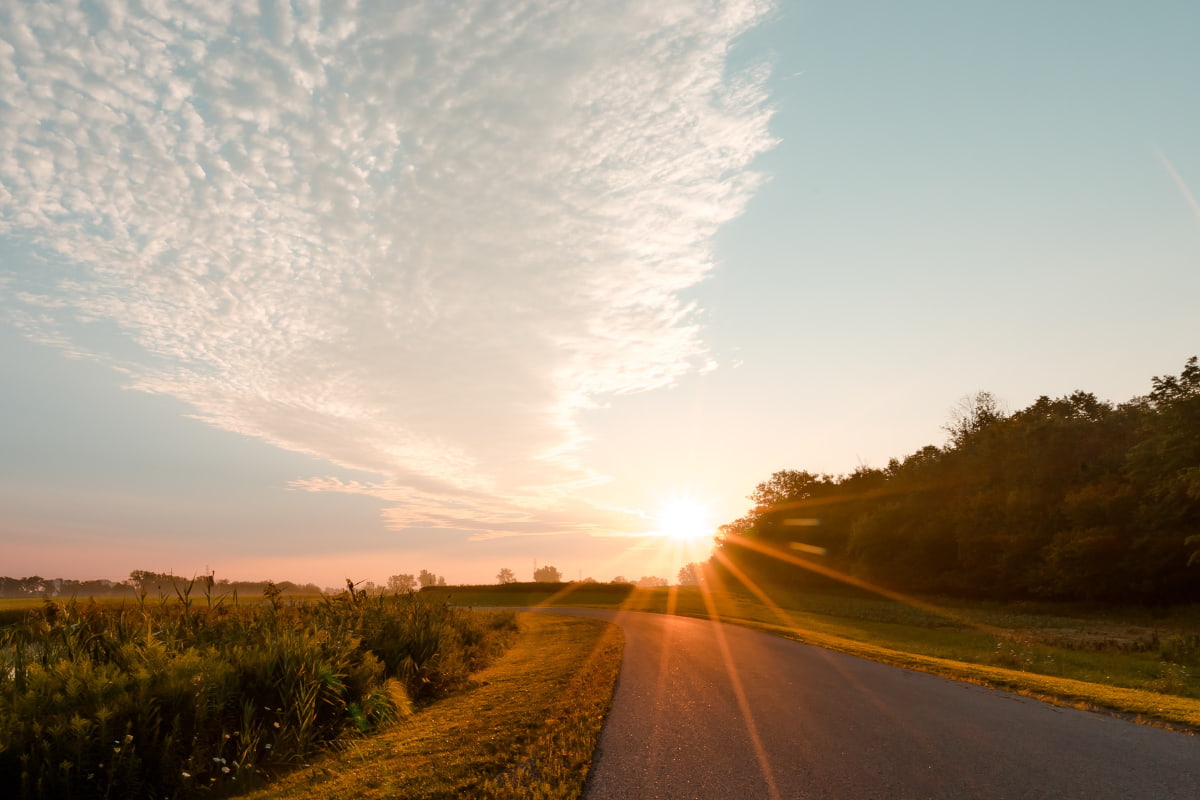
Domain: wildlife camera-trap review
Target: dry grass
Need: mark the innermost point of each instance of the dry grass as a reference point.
(527, 729)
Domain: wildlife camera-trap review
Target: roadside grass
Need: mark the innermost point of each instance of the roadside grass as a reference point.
(1144, 663)
(1132, 662)
(526, 729)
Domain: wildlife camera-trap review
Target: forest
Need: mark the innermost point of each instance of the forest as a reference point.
(1072, 499)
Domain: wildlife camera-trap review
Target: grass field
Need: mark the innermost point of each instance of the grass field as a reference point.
(188, 699)
(1145, 663)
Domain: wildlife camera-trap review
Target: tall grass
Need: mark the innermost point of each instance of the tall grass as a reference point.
(177, 699)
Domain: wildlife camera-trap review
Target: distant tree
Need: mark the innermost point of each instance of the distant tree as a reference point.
(619, 579)
(547, 574)
(651, 582)
(404, 582)
(441, 581)
(427, 578)
(690, 574)
(505, 575)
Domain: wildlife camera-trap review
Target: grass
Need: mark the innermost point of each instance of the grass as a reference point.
(189, 698)
(1144, 663)
(1126, 661)
(591, 595)
(527, 728)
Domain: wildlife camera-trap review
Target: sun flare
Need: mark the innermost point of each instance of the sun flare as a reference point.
(684, 519)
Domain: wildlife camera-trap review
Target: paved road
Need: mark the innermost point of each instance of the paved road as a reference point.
(715, 711)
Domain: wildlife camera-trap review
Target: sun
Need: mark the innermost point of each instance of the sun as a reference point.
(683, 520)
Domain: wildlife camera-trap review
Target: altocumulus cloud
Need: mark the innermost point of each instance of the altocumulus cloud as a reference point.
(414, 239)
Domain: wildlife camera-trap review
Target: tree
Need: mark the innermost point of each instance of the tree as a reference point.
(651, 582)
(691, 574)
(547, 574)
(505, 575)
(427, 578)
(404, 582)
(971, 415)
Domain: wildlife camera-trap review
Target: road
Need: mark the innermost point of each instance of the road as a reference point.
(704, 710)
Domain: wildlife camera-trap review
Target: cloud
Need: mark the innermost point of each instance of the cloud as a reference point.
(413, 239)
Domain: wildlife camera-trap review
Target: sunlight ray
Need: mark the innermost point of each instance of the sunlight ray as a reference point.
(858, 583)
(739, 691)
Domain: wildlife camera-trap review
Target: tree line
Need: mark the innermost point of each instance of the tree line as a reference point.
(142, 581)
(1071, 498)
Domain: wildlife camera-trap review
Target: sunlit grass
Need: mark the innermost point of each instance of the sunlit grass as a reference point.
(1154, 675)
(1141, 662)
(187, 698)
(527, 729)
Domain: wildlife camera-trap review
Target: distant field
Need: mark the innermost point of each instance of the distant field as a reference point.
(1142, 662)
(600, 595)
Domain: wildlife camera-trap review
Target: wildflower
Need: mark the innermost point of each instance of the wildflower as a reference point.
(276, 724)
(187, 774)
(225, 770)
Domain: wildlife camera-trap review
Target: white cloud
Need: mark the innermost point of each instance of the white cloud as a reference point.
(410, 240)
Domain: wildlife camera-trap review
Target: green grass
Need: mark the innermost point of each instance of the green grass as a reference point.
(595, 595)
(526, 729)
(1140, 662)
(1127, 661)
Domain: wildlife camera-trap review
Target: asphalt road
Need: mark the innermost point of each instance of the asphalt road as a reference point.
(704, 710)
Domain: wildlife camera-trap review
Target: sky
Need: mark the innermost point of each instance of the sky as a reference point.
(321, 290)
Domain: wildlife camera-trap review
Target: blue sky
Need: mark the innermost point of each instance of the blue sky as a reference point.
(322, 292)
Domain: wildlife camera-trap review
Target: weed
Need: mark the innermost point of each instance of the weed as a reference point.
(178, 699)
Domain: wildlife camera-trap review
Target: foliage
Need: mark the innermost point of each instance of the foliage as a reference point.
(690, 574)
(405, 582)
(1071, 498)
(427, 578)
(505, 575)
(547, 574)
(526, 729)
(153, 584)
(179, 699)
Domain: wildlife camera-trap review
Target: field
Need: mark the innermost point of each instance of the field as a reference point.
(418, 696)
(1135, 661)
(201, 696)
